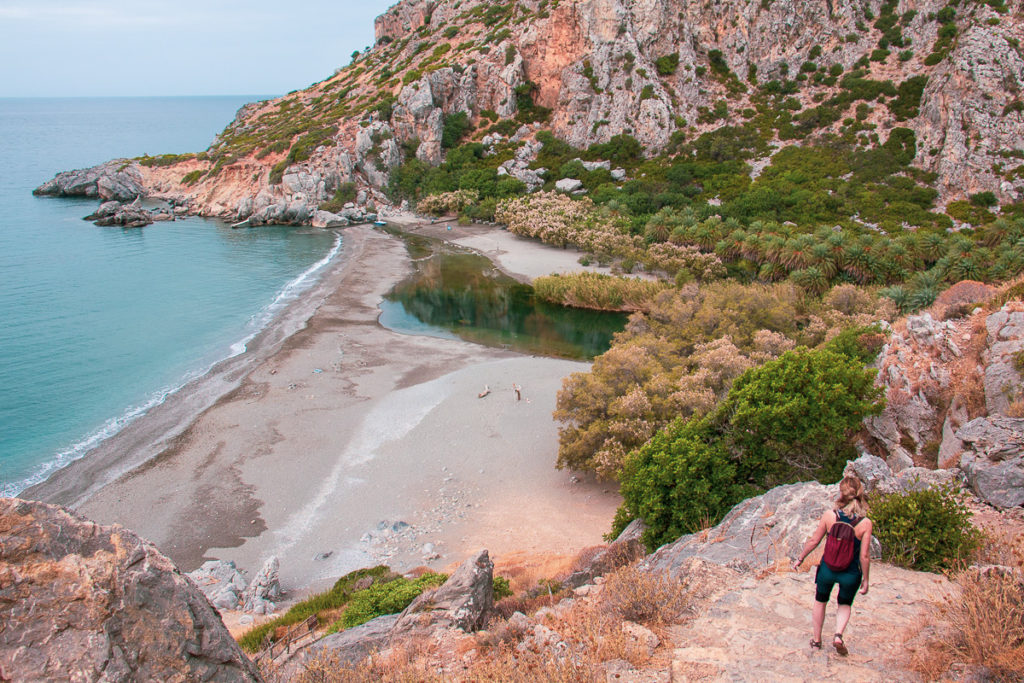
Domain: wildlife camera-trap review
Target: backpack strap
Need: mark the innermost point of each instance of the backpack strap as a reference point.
(843, 517)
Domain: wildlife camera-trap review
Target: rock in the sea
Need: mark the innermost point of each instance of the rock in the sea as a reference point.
(84, 602)
(117, 179)
(221, 583)
(123, 215)
(265, 589)
(463, 601)
(994, 465)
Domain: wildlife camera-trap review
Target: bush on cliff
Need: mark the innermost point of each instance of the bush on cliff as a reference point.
(792, 418)
(788, 420)
(927, 530)
(332, 599)
(384, 598)
(679, 482)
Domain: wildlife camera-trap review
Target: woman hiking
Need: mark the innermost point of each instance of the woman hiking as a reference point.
(846, 561)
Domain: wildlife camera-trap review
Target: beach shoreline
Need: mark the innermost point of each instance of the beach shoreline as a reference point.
(333, 443)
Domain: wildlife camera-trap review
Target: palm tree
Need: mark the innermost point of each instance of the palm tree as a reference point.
(932, 246)
(810, 279)
(822, 259)
(753, 248)
(771, 272)
(796, 254)
(774, 244)
(838, 243)
(899, 295)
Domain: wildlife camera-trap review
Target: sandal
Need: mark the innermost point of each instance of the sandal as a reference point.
(839, 645)
(816, 644)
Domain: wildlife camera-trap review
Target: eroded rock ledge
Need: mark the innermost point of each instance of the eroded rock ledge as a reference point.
(84, 602)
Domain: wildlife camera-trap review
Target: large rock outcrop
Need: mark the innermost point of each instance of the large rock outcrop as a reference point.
(994, 461)
(115, 180)
(84, 602)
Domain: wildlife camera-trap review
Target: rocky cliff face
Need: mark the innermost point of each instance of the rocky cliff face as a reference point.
(952, 381)
(84, 602)
(604, 67)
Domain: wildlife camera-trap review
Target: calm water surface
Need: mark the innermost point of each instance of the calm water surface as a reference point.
(96, 324)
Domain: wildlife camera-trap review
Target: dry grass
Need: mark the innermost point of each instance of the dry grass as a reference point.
(644, 597)
(570, 644)
(988, 622)
(982, 627)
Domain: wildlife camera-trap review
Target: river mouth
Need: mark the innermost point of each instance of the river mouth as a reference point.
(457, 293)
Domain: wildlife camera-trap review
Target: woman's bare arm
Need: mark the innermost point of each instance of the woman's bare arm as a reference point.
(815, 539)
(865, 555)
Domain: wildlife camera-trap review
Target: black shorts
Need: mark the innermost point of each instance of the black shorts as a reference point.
(849, 582)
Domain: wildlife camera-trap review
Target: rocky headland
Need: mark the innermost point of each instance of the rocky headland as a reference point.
(588, 70)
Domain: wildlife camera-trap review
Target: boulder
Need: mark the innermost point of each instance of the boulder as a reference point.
(87, 602)
(994, 463)
(114, 213)
(756, 533)
(624, 549)
(264, 590)
(920, 478)
(618, 174)
(595, 165)
(568, 185)
(1005, 341)
(874, 473)
(463, 601)
(221, 583)
(326, 219)
(348, 647)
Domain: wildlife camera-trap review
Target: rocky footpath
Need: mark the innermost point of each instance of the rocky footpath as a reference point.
(599, 67)
(84, 602)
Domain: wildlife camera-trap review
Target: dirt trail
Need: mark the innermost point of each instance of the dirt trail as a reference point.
(759, 629)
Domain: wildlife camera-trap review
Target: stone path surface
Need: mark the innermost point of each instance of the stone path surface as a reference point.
(759, 629)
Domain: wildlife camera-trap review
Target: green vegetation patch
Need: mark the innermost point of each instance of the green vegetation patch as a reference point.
(339, 595)
(927, 530)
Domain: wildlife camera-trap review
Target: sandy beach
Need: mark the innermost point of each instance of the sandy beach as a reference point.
(334, 443)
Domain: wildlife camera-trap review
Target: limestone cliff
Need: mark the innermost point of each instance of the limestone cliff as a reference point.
(603, 67)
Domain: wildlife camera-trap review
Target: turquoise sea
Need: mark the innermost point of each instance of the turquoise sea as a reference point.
(98, 324)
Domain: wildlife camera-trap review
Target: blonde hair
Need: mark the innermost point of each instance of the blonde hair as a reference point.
(852, 499)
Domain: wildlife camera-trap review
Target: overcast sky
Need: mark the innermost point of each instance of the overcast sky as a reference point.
(177, 47)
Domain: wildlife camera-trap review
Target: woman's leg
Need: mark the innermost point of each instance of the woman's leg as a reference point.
(819, 618)
(842, 618)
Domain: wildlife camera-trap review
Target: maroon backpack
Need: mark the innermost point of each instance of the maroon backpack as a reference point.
(841, 543)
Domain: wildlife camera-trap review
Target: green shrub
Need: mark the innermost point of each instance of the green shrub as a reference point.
(384, 598)
(667, 65)
(927, 530)
(345, 193)
(501, 587)
(792, 418)
(334, 598)
(984, 199)
(680, 481)
(454, 129)
(192, 177)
